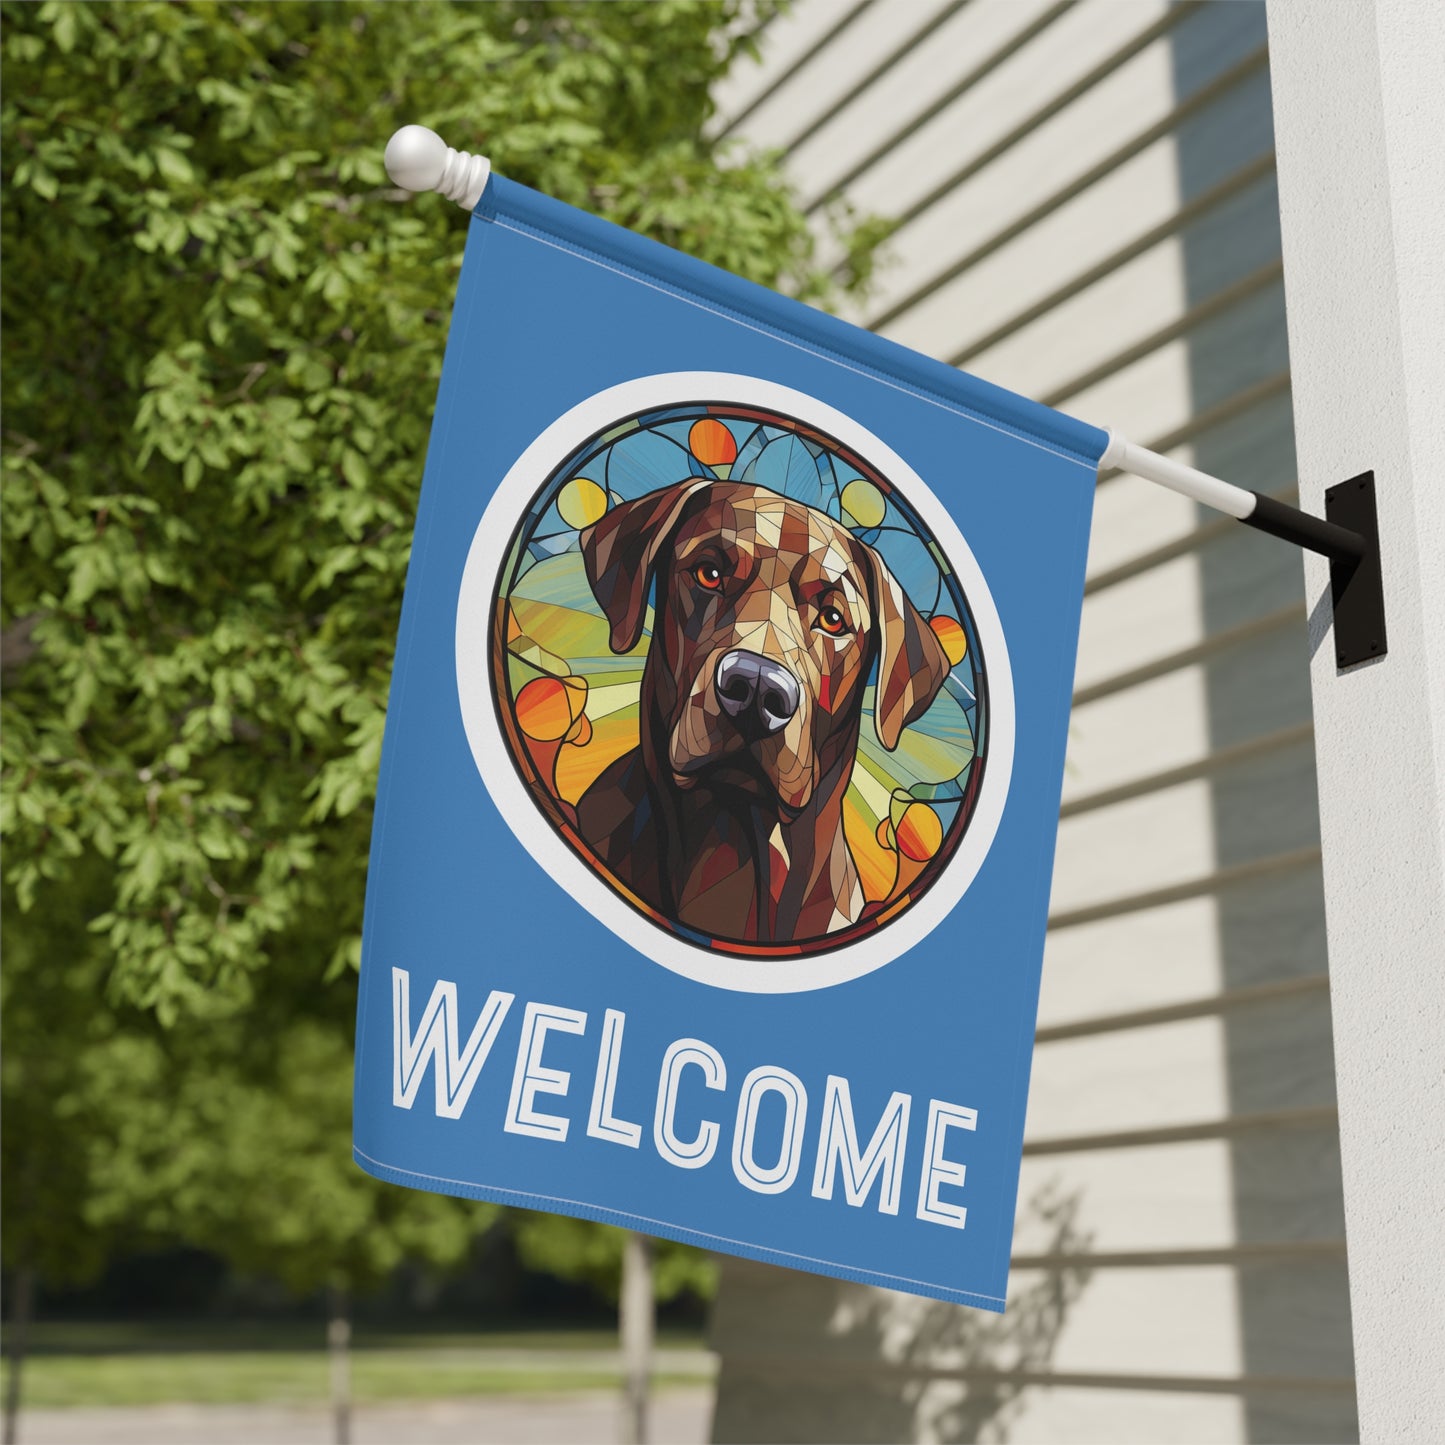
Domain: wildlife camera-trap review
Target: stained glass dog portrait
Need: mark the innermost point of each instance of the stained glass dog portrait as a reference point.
(769, 617)
(740, 679)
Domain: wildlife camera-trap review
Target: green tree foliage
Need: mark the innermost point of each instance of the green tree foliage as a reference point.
(232, 1133)
(223, 330)
(49, 988)
(578, 1249)
(246, 1152)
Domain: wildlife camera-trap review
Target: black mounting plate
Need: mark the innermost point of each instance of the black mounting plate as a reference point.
(1357, 586)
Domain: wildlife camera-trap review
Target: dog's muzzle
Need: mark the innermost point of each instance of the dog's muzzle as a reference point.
(758, 694)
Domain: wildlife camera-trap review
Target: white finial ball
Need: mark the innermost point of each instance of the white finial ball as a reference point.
(415, 158)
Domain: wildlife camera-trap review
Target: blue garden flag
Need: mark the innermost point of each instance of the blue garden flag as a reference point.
(722, 768)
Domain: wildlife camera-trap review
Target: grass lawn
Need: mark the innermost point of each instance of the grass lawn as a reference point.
(121, 1365)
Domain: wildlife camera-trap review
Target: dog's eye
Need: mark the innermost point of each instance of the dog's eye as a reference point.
(708, 575)
(832, 621)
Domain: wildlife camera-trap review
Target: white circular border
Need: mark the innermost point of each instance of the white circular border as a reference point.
(517, 806)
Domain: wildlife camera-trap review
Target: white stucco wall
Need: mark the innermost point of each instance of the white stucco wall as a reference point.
(1360, 126)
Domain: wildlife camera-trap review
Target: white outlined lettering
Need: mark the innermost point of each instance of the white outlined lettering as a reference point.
(774, 1178)
(531, 1077)
(699, 1152)
(838, 1144)
(602, 1123)
(437, 1039)
(939, 1171)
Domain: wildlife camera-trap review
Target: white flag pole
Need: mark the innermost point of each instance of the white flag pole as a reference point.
(1254, 508)
(418, 159)
(1348, 535)
(1188, 481)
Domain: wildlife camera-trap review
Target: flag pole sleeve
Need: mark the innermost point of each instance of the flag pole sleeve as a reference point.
(418, 159)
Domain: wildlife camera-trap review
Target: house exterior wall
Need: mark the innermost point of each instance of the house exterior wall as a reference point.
(1362, 199)
(1088, 214)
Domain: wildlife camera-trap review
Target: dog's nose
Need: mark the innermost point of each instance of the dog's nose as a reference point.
(760, 695)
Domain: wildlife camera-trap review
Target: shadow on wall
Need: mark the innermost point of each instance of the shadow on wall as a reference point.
(1293, 1295)
(915, 1369)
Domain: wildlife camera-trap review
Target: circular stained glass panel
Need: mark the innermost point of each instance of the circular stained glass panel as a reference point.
(740, 678)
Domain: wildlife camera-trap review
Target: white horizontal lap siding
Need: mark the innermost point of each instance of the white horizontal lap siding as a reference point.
(1133, 521)
(787, 43)
(837, 142)
(1174, 1207)
(1089, 217)
(823, 81)
(859, 146)
(933, 169)
(1090, 319)
(1138, 1078)
(1115, 740)
(1027, 183)
(1158, 839)
(1102, 250)
(1117, 965)
(1139, 621)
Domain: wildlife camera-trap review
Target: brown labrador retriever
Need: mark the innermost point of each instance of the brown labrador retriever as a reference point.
(728, 815)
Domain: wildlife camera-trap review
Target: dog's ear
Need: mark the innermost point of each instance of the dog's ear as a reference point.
(912, 664)
(620, 551)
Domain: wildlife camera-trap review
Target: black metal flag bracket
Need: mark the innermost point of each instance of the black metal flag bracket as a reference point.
(1348, 534)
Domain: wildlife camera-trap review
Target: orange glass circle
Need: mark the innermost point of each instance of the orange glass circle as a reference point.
(712, 443)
